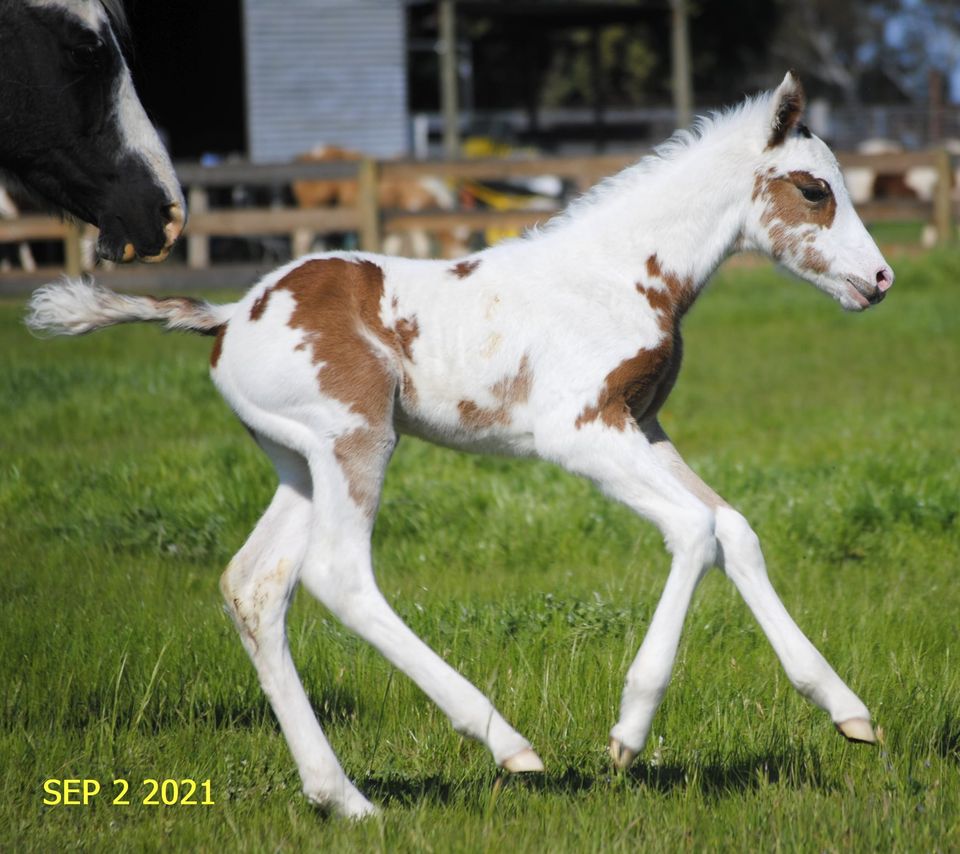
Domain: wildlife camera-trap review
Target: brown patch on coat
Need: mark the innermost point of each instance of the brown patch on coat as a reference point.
(506, 392)
(407, 330)
(260, 305)
(190, 310)
(634, 390)
(335, 303)
(671, 303)
(217, 346)
(362, 455)
(465, 268)
(337, 307)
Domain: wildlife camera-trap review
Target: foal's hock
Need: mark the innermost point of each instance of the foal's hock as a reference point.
(562, 345)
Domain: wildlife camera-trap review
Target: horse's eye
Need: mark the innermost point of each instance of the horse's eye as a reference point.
(814, 192)
(87, 56)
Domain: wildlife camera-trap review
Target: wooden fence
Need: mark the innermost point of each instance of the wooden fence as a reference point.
(371, 224)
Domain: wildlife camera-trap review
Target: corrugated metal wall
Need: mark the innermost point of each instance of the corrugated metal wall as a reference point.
(325, 71)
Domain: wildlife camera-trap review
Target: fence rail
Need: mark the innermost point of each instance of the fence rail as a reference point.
(371, 223)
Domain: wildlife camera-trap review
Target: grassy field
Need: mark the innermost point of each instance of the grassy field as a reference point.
(126, 485)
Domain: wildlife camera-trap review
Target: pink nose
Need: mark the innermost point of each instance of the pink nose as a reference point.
(884, 278)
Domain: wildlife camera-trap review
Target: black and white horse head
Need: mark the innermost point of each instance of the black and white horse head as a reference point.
(73, 131)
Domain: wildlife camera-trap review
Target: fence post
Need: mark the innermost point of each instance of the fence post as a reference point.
(198, 245)
(301, 241)
(942, 205)
(368, 205)
(72, 251)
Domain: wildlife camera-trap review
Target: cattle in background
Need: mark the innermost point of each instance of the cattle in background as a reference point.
(865, 184)
(409, 196)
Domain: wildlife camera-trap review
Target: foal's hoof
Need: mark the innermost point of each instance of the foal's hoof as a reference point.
(621, 755)
(524, 761)
(358, 811)
(857, 729)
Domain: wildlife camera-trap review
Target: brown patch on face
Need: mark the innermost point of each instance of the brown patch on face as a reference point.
(786, 202)
(506, 392)
(217, 346)
(814, 260)
(465, 268)
(760, 182)
(792, 218)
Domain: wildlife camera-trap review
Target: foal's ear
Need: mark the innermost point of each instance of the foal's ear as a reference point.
(788, 102)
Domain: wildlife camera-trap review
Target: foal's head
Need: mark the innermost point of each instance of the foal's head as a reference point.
(801, 213)
(73, 131)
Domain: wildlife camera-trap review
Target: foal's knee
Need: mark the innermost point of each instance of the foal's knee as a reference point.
(694, 534)
(739, 546)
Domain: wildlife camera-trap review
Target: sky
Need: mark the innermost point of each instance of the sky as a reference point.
(915, 28)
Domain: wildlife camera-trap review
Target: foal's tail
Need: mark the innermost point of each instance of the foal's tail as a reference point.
(77, 306)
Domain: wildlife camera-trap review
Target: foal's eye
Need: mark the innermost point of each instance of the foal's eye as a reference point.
(814, 192)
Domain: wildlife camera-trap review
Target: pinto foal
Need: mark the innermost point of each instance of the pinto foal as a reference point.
(562, 345)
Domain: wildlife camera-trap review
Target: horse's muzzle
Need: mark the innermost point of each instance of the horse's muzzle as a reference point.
(129, 248)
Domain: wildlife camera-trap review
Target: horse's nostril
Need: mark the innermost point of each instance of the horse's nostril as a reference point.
(176, 218)
(173, 213)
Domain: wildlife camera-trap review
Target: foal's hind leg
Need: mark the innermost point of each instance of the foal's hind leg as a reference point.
(258, 585)
(339, 572)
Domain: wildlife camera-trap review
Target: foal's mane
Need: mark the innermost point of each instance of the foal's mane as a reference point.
(683, 140)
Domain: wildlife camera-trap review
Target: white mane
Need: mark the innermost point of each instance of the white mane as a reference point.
(749, 115)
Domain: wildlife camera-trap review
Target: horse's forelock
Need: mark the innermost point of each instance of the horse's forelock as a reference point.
(113, 10)
(117, 15)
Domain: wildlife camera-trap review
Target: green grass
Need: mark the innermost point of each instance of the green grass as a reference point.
(900, 232)
(126, 485)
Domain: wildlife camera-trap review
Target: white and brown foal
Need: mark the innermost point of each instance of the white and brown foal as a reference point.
(562, 345)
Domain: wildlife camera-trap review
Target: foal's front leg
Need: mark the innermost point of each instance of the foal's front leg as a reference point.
(625, 466)
(741, 558)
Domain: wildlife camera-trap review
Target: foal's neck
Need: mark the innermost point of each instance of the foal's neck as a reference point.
(688, 209)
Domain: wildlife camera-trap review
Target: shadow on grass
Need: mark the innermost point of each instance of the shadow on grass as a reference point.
(948, 739)
(83, 711)
(331, 706)
(712, 780)
(717, 780)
